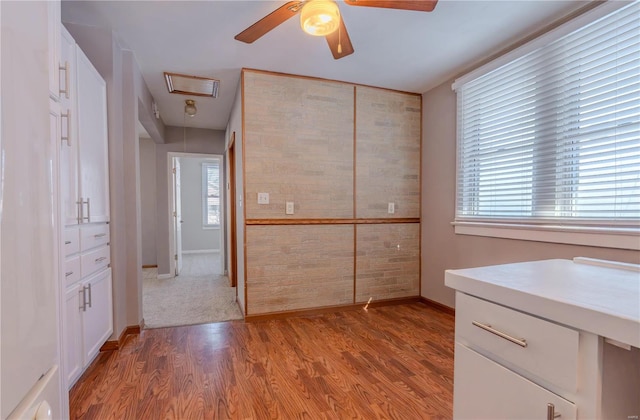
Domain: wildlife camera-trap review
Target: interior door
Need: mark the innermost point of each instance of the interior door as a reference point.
(177, 214)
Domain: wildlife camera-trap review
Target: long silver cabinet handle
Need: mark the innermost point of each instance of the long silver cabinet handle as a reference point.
(82, 217)
(83, 303)
(519, 341)
(67, 242)
(99, 235)
(88, 211)
(79, 204)
(65, 68)
(551, 412)
(90, 295)
(68, 273)
(68, 136)
(98, 260)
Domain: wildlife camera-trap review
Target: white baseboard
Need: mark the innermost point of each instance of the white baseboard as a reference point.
(164, 276)
(202, 251)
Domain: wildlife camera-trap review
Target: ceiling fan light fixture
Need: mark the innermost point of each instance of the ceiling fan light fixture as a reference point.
(190, 107)
(320, 17)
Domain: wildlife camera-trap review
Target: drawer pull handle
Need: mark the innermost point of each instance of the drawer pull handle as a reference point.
(99, 235)
(68, 273)
(519, 341)
(551, 412)
(99, 260)
(67, 242)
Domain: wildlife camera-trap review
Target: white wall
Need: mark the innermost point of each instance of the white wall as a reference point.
(195, 237)
(148, 197)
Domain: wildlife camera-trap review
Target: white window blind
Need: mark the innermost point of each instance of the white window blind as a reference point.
(554, 135)
(211, 193)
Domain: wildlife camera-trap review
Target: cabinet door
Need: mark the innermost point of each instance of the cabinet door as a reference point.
(97, 321)
(54, 47)
(483, 389)
(93, 146)
(69, 143)
(72, 330)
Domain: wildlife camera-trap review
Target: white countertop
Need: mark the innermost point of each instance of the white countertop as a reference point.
(601, 300)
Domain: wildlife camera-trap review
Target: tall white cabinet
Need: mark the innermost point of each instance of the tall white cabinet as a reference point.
(84, 186)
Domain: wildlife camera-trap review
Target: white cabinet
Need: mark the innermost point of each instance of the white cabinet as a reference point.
(73, 362)
(53, 36)
(559, 332)
(84, 152)
(504, 359)
(88, 322)
(84, 210)
(494, 392)
(97, 324)
(69, 193)
(92, 145)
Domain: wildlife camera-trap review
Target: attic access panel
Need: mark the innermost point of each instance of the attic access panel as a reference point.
(191, 85)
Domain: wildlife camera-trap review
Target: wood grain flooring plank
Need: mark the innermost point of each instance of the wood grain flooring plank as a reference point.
(393, 362)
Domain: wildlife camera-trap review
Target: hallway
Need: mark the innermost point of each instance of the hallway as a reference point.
(199, 295)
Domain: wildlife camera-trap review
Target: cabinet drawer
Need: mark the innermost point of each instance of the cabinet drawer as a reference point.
(71, 270)
(484, 389)
(95, 260)
(71, 241)
(546, 350)
(93, 236)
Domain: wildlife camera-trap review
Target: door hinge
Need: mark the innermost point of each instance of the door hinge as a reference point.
(173, 170)
(175, 257)
(174, 214)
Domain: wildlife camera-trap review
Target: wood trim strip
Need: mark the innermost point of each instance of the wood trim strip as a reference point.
(420, 205)
(355, 190)
(111, 345)
(258, 222)
(298, 76)
(244, 193)
(439, 306)
(328, 309)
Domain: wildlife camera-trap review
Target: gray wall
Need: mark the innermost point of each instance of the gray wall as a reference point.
(194, 140)
(195, 237)
(441, 248)
(148, 201)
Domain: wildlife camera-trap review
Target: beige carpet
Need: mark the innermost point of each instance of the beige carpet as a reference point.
(188, 300)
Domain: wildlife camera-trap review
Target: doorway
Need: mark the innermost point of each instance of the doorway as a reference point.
(197, 291)
(197, 214)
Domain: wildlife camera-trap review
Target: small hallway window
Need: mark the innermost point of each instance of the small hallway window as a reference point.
(211, 193)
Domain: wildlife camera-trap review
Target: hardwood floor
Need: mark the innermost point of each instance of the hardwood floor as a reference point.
(387, 362)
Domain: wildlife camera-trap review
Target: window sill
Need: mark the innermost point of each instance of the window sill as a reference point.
(575, 235)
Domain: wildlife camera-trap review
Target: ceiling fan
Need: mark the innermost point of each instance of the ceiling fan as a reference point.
(323, 18)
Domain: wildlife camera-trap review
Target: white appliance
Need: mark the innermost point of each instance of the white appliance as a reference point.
(29, 316)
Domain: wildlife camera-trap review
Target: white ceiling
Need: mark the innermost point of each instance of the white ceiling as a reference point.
(397, 49)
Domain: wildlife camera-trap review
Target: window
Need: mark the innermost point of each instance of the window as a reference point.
(551, 137)
(211, 193)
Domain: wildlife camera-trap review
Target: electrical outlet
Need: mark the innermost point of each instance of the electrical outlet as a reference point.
(289, 207)
(392, 208)
(263, 198)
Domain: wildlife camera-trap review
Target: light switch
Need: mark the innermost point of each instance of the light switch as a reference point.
(289, 207)
(263, 198)
(392, 208)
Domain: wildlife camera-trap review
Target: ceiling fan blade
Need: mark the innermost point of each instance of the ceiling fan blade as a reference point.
(270, 21)
(340, 38)
(417, 5)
